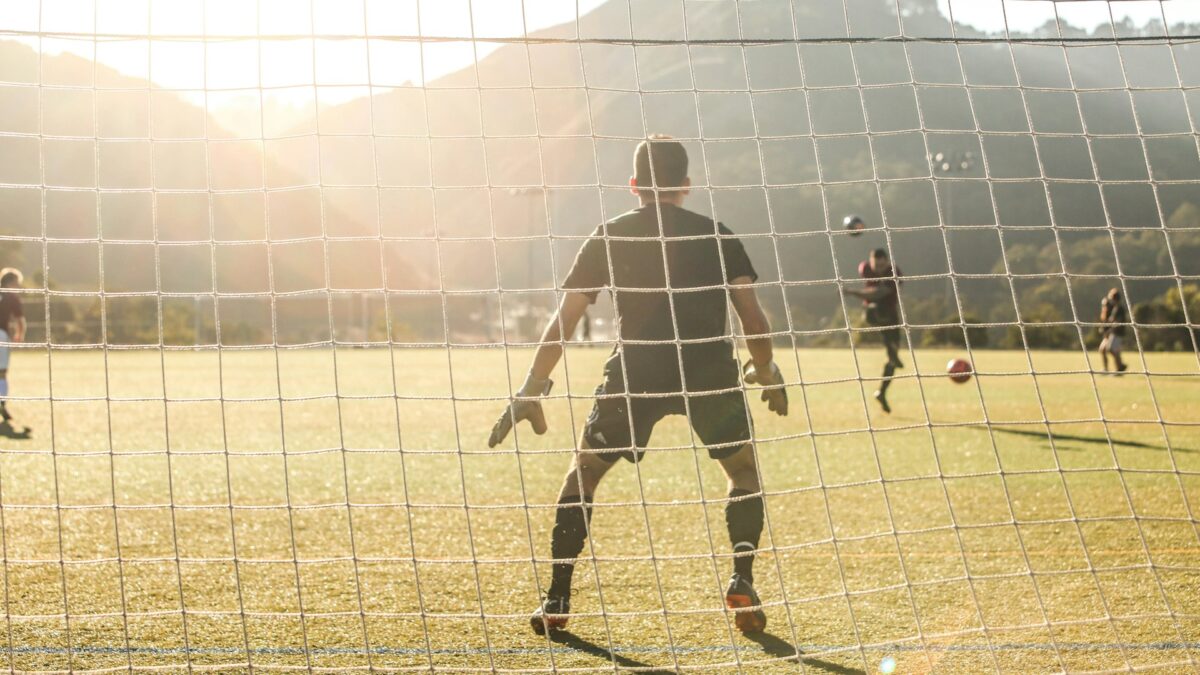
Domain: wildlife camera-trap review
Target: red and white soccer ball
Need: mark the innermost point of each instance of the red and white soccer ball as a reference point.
(959, 370)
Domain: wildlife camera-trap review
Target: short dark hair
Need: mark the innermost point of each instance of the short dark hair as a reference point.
(9, 275)
(660, 161)
(880, 253)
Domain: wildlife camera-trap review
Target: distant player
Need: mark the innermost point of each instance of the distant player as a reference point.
(12, 329)
(1113, 318)
(881, 303)
(649, 259)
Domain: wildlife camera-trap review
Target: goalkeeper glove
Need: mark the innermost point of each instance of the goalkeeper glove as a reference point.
(524, 406)
(771, 380)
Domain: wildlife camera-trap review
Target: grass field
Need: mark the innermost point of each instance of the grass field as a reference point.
(995, 525)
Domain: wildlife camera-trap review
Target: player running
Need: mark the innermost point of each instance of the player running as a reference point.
(12, 329)
(1113, 318)
(881, 303)
(674, 357)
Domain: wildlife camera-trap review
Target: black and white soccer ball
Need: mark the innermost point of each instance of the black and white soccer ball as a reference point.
(854, 225)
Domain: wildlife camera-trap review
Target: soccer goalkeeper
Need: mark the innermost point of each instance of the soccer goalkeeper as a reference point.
(672, 273)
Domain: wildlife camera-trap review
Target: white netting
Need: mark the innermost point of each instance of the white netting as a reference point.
(285, 263)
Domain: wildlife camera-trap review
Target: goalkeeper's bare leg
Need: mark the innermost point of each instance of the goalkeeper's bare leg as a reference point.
(572, 519)
(744, 519)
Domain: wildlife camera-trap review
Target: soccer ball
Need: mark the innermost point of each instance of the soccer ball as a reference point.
(854, 225)
(960, 370)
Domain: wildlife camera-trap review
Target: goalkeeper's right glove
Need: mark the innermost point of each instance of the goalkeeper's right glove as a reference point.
(524, 406)
(774, 393)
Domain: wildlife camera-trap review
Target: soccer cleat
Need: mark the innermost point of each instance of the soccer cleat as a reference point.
(1122, 368)
(551, 615)
(882, 398)
(743, 601)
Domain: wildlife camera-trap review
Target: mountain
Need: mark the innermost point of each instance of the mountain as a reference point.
(79, 100)
(490, 136)
(569, 118)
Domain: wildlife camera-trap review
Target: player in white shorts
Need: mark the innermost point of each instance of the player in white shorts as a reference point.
(1113, 318)
(12, 329)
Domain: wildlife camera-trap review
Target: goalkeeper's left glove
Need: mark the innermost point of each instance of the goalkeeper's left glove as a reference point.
(774, 393)
(524, 406)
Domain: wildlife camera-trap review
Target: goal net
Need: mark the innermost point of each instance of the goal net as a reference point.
(285, 262)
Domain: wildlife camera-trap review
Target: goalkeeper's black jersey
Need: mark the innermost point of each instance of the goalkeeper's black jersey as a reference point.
(667, 281)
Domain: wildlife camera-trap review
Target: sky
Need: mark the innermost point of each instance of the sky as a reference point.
(248, 64)
(1026, 15)
(236, 64)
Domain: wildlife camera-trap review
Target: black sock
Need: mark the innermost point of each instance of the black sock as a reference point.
(566, 543)
(744, 518)
(888, 371)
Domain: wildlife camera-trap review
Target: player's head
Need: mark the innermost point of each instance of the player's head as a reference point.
(880, 262)
(11, 277)
(1114, 294)
(660, 162)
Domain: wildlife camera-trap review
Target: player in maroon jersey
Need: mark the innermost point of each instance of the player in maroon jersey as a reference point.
(881, 303)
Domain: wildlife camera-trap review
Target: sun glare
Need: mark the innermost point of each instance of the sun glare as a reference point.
(334, 59)
(208, 51)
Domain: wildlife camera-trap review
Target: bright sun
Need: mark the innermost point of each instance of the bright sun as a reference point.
(338, 60)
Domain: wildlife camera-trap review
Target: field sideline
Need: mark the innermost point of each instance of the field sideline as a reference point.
(998, 524)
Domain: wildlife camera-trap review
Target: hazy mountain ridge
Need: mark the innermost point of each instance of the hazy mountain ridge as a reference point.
(522, 118)
(178, 164)
(780, 94)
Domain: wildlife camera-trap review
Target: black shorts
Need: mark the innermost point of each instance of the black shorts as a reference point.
(623, 421)
(877, 317)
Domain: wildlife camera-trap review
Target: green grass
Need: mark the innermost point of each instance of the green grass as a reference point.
(961, 533)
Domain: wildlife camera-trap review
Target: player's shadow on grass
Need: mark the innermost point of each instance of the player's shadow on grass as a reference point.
(9, 431)
(780, 648)
(1102, 440)
(569, 639)
(771, 644)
